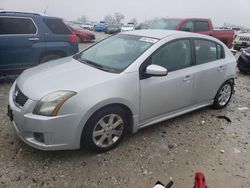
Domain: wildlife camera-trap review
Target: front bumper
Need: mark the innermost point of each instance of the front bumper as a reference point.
(241, 44)
(59, 132)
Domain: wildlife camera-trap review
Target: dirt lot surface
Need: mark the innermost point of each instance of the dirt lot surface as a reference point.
(197, 141)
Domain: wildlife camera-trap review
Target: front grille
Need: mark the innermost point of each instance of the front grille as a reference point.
(245, 38)
(19, 98)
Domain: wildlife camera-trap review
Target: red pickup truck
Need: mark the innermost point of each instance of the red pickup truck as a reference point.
(197, 25)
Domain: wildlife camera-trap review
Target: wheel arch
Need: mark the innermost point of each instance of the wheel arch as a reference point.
(128, 109)
(229, 78)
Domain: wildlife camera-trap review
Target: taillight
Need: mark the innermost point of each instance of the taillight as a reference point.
(72, 38)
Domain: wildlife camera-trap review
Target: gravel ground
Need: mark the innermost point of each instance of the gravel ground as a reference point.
(197, 141)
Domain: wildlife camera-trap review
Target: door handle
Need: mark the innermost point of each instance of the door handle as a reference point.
(221, 68)
(33, 39)
(187, 78)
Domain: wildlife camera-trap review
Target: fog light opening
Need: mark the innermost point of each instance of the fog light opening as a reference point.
(39, 137)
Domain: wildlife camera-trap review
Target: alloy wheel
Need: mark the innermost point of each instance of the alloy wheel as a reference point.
(224, 95)
(108, 130)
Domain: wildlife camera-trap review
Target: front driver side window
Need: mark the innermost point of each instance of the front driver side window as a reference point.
(173, 56)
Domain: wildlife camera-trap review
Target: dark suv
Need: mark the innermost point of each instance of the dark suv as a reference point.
(27, 39)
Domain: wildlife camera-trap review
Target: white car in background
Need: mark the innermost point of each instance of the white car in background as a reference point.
(128, 27)
(87, 26)
(242, 40)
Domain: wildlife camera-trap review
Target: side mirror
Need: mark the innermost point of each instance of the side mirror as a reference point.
(156, 70)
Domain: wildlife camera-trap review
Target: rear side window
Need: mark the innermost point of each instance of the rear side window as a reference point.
(207, 51)
(17, 26)
(57, 26)
(201, 26)
(220, 52)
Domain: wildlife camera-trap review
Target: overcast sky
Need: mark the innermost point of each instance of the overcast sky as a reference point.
(220, 11)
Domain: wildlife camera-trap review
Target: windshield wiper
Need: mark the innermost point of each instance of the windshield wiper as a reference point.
(91, 63)
(76, 56)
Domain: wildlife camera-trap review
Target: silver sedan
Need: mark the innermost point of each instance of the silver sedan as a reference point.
(123, 83)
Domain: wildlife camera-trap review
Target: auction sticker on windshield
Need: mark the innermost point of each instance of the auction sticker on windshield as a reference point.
(147, 39)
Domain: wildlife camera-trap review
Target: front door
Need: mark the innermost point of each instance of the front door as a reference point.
(161, 95)
(17, 37)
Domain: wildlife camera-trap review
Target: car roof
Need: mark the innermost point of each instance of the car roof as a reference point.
(160, 34)
(26, 14)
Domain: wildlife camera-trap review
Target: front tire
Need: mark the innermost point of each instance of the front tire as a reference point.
(224, 95)
(105, 129)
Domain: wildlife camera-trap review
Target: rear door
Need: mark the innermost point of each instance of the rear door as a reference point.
(161, 95)
(17, 37)
(210, 69)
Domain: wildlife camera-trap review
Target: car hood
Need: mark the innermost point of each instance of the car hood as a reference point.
(244, 34)
(62, 74)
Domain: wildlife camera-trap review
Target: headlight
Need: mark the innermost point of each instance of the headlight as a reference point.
(51, 103)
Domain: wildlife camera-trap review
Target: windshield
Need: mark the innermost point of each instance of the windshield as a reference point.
(116, 53)
(165, 24)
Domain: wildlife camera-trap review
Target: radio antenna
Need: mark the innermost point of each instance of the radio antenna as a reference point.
(45, 10)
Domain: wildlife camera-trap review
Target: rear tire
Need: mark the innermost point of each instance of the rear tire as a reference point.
(224, 95)
(49, 58)
(105, 129)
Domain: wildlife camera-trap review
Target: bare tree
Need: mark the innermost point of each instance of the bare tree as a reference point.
(83, 19)
(109, 18)
(118, 17)
(151, 21)
(134, 21)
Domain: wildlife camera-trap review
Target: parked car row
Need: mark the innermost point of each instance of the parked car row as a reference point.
(113, 28)
(28, 39)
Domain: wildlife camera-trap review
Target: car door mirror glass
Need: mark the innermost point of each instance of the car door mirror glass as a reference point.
(156, 70)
